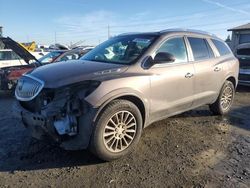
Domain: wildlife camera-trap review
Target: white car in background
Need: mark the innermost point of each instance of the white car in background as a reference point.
(9, 58)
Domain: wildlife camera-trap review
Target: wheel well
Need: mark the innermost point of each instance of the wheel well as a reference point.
(138, 102)
(232, 79)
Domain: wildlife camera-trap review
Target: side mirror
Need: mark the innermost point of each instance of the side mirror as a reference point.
(163, 57)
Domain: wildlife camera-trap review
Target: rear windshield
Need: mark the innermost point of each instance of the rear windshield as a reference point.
(244, 51)
(221, 47)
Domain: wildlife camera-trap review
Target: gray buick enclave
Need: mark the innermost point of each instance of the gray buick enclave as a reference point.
(104, 100)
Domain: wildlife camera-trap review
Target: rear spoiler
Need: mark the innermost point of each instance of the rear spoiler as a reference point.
(18, 49)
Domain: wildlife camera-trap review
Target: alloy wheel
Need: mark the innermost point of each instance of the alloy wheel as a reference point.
(226, 98)
(120, 131)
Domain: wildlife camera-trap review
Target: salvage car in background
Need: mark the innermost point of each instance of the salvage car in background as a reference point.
(10, 74)
(243, 54)
(73, 54)
(9, 58)
(51, 56)
(105, 99)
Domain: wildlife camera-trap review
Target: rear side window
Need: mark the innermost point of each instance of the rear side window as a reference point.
(200, 48)
(221, 47)
(177, 47)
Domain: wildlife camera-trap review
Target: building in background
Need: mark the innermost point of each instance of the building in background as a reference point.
(240, 36)
(1, 34)
(240, 45)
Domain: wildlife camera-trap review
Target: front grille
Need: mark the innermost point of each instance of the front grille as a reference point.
(28, 88)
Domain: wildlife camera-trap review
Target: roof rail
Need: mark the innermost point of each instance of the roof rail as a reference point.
(188, 30)
(129, 33)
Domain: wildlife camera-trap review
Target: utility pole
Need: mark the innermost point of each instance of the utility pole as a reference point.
(55, 38)
(108, 32)
(1, 31)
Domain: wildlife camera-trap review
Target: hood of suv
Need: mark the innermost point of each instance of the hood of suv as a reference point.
(65, 73)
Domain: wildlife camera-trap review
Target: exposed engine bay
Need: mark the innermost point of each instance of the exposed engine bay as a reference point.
(59, 113)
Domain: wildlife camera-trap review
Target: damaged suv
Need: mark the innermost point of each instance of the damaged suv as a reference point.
(105, 99)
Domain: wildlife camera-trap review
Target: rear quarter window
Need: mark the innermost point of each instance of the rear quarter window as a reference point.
(222, 48)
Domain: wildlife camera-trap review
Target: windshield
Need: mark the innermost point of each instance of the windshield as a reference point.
(50, 57)
(120, 50)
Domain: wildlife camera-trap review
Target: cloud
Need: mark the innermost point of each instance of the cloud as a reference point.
(91, 25)
(227, 7)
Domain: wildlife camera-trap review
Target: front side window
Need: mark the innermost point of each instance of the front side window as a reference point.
(121, 49)
(221, 47)
(50, 57)
(176, 47)
(200, 48)
(72, 55)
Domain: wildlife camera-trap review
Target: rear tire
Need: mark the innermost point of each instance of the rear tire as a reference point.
(117, 130)
(225, 100)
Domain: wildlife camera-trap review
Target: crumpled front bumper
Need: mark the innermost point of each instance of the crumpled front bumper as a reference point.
(41, 127)
(37, 124)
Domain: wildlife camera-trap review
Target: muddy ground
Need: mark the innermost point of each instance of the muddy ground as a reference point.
(194, 149)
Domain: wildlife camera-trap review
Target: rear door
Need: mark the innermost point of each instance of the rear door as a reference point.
(207, 80)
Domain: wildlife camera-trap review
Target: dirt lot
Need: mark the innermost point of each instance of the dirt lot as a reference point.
(194, 149)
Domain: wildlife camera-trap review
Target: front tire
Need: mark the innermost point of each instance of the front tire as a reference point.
(225, 100)
(117, 130)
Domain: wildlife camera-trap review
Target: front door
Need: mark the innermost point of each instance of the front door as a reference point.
(172, 84)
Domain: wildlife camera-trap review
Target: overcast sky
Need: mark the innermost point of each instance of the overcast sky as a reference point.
(69, 21)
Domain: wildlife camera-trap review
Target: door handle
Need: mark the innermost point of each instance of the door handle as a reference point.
(189, 75)
(217, 69)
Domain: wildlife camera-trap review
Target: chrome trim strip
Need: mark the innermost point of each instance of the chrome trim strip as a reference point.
(244, 83)
(245, 71)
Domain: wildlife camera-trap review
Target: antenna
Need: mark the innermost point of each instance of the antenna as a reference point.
(108, 31)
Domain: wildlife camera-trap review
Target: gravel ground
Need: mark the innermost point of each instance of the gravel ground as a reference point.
(194, 149)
